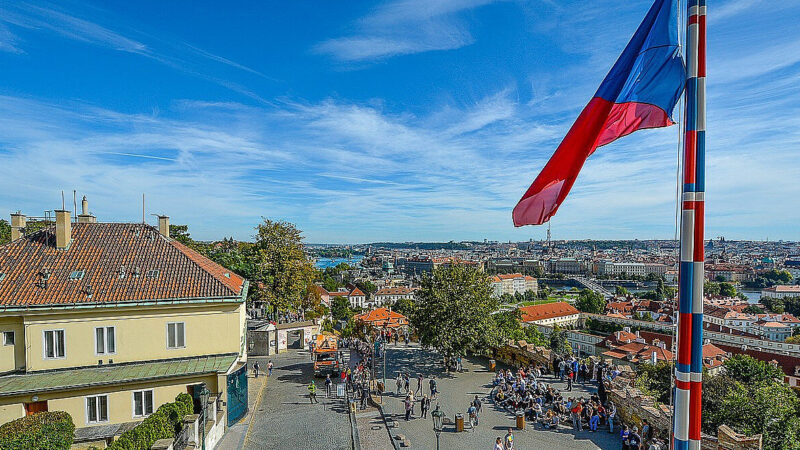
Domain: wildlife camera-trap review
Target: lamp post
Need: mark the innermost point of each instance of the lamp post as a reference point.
(438, 419)
(204, 394)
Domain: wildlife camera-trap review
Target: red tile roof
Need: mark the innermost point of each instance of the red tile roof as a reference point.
(101, 251)
(380, 317)
(401, 290)
(547, 311)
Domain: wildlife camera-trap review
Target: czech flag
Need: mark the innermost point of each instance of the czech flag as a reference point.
(639, 92)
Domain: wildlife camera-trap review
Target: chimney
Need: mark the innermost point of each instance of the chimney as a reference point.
(163, 225)
(63, 229)
(18, 223)
(84, 216)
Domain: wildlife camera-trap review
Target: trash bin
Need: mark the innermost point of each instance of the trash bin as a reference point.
(520, 420)
(459, 422)
(492, 365)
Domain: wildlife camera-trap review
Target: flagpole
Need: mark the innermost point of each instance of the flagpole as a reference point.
(689, 367)
(695, 412)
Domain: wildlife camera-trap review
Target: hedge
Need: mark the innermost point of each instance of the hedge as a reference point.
(44, 430)
(165, 423)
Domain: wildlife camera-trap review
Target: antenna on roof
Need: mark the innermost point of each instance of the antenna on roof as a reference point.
(75, 206)
(142, 207)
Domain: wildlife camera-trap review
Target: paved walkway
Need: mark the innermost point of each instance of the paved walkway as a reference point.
(455, 393)
(286, 419)
(234, 435)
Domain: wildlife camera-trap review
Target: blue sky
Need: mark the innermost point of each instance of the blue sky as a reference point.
(401, 120)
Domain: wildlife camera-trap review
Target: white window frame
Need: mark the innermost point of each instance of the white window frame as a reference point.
(13, 338)
(44, 344)
(183, 326)
(144, 407)
(105, 340)
(96, 398)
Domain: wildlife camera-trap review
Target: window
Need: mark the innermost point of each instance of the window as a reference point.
(54, 344)
(152, 274)
(142, 403)
(97, 409)
(8, 338)
(77, 275)
(175, 335)
(105, 340)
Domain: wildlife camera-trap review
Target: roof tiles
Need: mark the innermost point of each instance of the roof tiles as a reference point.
(116, 258)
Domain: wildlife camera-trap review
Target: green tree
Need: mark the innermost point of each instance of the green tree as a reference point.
(5, 232)
(590, 301)
(340, 308)
(710, 288)
(282, 272)
(753, 309)
(559, 342)
(367, 287)
(621, 291)
(454, 309)
(727, 290)
(748, 370)
(405, 306)
(655, 380)
(795, 339)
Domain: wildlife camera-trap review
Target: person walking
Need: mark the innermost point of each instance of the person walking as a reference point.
(419, 383)
(399, 383)
(364, 394)
(407, 382)
(570, 374)
(407, 403)
(312, 392)
(432, 385)
(508, 441)
(576, 416)
(472, 413)
(612, 414)
(328, 384)
(255, 369)
(424, 406)
(477, 404)
(498, 444)
(269, 368)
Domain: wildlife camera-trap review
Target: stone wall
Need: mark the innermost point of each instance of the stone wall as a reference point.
(520, 353)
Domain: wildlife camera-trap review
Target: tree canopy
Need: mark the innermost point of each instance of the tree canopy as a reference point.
(590, 301)
(453, 311)
(748, 370)
(282, 272)
(5, 232)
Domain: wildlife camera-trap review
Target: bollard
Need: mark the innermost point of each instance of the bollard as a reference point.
(520, 420)
(459, 422)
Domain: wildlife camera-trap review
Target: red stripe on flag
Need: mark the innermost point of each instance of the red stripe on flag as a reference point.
(685, 339)
(692, 19)
(685, 385)
(699, 223)
(690, 156)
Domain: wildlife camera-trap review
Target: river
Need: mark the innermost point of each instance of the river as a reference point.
(324, 263)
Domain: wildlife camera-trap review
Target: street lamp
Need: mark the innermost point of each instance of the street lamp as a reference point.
(204, 394)
(438, 420)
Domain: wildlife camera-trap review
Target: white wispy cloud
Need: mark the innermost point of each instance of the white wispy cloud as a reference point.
(173, 53)
(404, 27)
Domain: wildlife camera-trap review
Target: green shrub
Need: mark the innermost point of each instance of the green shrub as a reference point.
(44, 430)
(165, 423)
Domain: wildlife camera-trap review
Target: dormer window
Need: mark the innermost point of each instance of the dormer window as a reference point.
(152, 274)
(77, 275)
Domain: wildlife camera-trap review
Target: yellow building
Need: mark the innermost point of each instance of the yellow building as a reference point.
(107, 321)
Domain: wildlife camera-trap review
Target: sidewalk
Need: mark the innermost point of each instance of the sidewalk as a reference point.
(234, 436)
(372, 432)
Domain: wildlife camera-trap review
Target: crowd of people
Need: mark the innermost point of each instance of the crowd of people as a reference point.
(525, 391)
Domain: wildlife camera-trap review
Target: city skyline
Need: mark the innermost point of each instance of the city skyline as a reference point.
(386, 122)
